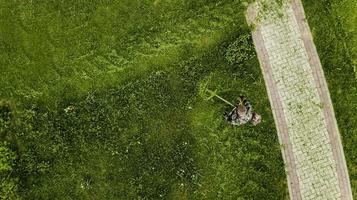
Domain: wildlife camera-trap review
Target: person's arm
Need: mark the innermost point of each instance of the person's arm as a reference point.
(229, 116)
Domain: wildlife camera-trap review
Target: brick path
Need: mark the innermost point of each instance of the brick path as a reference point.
(302, 108)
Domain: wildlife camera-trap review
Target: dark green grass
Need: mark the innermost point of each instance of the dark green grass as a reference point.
(128, 74)
(334, 27)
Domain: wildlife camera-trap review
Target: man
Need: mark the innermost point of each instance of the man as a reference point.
(242, 113)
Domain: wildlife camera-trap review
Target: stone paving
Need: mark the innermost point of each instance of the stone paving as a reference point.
(302, 108)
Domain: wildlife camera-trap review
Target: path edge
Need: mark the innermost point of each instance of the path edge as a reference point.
(325, 98)
(323, 93)
(275, 103)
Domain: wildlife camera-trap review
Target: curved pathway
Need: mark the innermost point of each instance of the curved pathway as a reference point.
(302, 108)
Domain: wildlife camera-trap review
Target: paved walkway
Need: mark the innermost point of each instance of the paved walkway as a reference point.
(303, 113)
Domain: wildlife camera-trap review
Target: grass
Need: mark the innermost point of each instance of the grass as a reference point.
(100, 100)
(334, 27)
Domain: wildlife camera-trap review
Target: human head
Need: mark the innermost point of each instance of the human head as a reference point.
(241, 110)
(256, 119)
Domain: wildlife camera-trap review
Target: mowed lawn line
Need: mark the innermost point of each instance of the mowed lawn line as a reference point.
(263, 152)
(49, 85)
(248, 142)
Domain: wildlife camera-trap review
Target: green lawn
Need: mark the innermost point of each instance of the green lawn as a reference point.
(334, 27)
(101, 100)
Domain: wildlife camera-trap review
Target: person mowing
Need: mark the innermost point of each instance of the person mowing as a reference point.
(242, 113)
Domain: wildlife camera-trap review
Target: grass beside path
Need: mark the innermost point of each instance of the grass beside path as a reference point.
(100, 100)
